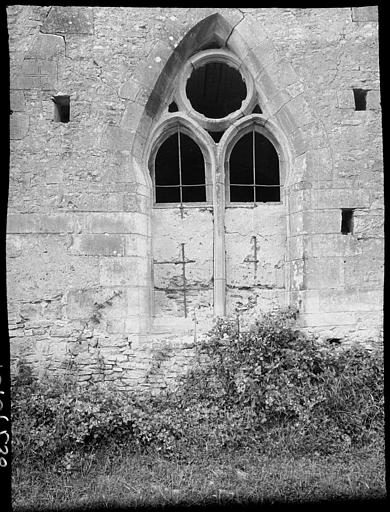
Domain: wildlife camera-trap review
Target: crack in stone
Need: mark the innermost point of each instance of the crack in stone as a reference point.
(233, 28)
(103, 81)
(48, 12)
(339, 57)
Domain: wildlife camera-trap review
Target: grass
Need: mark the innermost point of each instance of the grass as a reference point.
(134, 480)
(316, 402)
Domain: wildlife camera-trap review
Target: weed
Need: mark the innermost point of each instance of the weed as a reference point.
(266, 388)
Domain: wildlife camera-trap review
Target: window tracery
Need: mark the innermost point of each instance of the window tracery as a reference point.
(215, 92)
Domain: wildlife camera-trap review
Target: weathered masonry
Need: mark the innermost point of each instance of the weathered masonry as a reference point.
(171, 165)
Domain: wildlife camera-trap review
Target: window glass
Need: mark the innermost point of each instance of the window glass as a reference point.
(179, 171)
(254, 170)
(266, 169)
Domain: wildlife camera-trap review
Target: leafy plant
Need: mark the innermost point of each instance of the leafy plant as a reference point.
(267, 387)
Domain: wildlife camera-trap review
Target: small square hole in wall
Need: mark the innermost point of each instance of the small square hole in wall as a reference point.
(346, 221)
(61, 108)
(360, 96)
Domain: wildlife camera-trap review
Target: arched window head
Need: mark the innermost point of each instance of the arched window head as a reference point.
(179, 171)
(254, 170)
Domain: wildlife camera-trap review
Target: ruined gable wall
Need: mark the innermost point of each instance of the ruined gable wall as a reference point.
(78, 228)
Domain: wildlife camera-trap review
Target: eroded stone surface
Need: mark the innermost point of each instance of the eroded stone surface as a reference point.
(95, 278)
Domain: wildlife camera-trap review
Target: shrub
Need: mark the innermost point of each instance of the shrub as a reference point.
(268, 387)
(272, 376)
(52, 418)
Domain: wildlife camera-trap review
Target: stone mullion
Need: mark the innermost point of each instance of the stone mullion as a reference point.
(219, 240)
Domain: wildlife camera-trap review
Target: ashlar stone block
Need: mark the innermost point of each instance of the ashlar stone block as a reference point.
(374, 100)
(339, 198)
(18, 126)
(54, 175)
(56, 223)
(368, 225)
(297, 246)
(14, 245)
(282, 73)
(325, 319)
(364, 14)
(47, 46)
(322, 221)
(333, 244)
(131, 116)
(350, 300)
(17, 101)
(22, 223)
(345, 99)
(117, 138)
(307, 137)
(265, 51)
(98, 244)
(310, 301)
(69, 20)
(319, 164)
(363, 270)
(109, 303)
(114, 222)
(36, 74)
(125, 271)
(275, 102)
(130, 89)
(323, 272)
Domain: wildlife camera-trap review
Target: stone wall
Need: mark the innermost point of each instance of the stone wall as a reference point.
(80, 227)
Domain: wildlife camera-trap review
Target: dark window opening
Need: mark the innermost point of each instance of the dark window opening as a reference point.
(254, 170)
(257, 110)
(215, 90)
(346, 221)
(179, 171)
(216, 136)
(61, 108)
(173, 107)
(360, 96)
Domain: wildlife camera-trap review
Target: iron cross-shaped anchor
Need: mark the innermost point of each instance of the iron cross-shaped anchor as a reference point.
(183, 262)
(255, 261)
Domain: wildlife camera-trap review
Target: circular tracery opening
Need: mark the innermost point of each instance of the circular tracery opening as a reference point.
(216, 90)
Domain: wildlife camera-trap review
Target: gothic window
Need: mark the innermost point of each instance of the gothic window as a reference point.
(179, 171)
(215, 93)
(253, 170)
(212, 151)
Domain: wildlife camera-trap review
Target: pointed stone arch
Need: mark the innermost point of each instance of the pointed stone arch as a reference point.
(268, 128)
(281, 92)
(167, 126)
(153, 77)
(283, 101)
